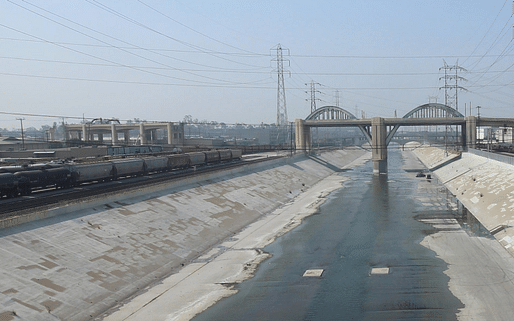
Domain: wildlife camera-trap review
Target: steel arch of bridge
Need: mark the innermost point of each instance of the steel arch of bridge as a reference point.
(330, 112)
(433, 110)
(430, 110)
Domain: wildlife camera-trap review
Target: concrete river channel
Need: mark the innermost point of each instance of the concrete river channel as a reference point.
(293, 238)
(371, 238)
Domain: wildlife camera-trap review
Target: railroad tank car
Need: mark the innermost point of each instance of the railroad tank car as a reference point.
(27, 180)
(92, 172)
(58, 176)
(212, 156)
(156, 164)
(20, 168)
(8, 185)
(225, 154)
(129, 167)
(181, 160)
(196, 158)
(236, 153)
(32, 179)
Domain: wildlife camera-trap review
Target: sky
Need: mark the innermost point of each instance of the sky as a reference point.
(216, 60)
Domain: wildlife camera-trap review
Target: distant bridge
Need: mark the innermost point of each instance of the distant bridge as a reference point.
(380, 131)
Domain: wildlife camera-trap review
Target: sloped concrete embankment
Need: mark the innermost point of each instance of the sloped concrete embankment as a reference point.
(484, 186)
(76, 265)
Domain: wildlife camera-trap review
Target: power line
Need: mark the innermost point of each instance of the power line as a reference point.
(90, 55)
(104, 42)
(240, 85)
(478, 45)
(243, 71)
(137, 23)
(234, 85)
(194, 30)
(217, 52)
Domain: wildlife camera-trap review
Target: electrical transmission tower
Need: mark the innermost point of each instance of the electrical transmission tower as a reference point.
(281, 90)
(313, 95)
(451, 83)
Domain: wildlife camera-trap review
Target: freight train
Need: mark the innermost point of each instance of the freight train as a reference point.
(22, 180)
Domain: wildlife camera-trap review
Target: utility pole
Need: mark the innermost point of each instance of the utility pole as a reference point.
(337, 98)
(478, 111)
(281, 91)
(22, 135)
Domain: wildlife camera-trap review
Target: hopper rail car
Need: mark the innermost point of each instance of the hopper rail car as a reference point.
(23, 180)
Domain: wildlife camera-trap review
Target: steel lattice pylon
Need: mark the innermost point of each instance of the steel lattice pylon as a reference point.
(281, 91)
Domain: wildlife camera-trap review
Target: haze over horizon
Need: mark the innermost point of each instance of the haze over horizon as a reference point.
(163, 60)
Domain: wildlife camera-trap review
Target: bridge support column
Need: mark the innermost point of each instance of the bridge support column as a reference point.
(126, 137)
(142, 135)
(85, 134)
(169, 130)
(303, 135)
(379, 145)
(114, 135)
(471, 131)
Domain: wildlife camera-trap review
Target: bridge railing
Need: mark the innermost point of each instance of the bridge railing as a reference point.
(498, 157)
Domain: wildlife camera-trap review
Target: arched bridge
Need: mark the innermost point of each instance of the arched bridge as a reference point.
(379, 131)
(330, 112)
(433, 110)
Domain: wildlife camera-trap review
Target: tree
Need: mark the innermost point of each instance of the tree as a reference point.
(188, 119)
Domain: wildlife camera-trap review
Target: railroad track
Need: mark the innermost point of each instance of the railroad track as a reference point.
(45, 200)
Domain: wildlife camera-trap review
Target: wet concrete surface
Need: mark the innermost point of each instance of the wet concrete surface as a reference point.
(373, 222)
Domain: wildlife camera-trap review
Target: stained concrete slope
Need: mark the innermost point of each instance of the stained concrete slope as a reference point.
(479, 268)
(433, 157)
(485, 187)
(77, 265)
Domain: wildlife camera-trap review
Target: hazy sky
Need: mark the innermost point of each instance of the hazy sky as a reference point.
(162, 60)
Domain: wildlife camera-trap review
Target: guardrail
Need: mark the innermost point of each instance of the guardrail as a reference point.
(498, 157)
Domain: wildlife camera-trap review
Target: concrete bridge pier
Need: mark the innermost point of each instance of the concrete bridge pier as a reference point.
(142, 134)
(126, 137)
(114, 134)
(303, 135)
(85, 133)
(471, 131)
(379, 145)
